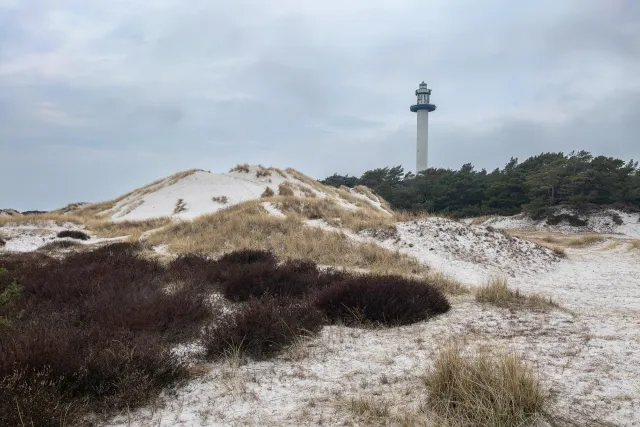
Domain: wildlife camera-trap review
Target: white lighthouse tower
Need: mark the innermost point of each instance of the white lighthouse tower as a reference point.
(423, 107)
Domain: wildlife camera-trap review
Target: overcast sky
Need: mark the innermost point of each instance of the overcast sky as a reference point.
(99, 97)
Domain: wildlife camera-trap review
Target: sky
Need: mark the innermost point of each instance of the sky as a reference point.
(100, 97)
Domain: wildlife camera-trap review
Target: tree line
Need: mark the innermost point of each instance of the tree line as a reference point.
(577, 179)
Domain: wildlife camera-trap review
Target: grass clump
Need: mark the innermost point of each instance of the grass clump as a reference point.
(181, 206)
(262, 328)
(390, 300)
(240, 168)
(586, 240)
(133, 229)
(262, 172)
(220, 199)
(73, 234)
(560, 251)
(285, 189)
(268, 192)
(478, 390)
(498, 293)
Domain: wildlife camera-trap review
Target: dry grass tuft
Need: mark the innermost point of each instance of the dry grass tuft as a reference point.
(446, 284)
(240, 168)
(634, 244)
(586, 240)
(248, 226)
(133, 229)
(285, 189)
(181, 206)
(368, 407)
(41, 219)
(268, 192)
(478, 390)
(220, 199)
(497, 292)
(262, 172)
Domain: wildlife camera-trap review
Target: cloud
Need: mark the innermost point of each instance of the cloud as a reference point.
(99, 97)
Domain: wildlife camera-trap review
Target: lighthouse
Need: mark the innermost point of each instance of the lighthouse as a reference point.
(423, 107)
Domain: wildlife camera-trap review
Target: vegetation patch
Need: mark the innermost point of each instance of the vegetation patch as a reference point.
(262, 328)
(262, 172)
(536, 185)
(285, 189)
(220, 199)
(498, 293)
(59, 244)
(181, 206)
(586, 240)
(480, 390)
(248, 226)
(268, 192)
(390, 300)
(93, 330)
(240, 168)
(73, 234)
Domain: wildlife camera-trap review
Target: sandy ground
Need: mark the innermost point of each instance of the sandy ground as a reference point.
(588, 356)
(30, 237)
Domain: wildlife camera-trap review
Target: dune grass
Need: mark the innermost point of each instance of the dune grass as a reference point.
(480, 390)
(249, 226)
(586, 240)
(498, 293)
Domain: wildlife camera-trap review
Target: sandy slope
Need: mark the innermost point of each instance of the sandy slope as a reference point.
(196, 193)
(466, 252)
(597, 222)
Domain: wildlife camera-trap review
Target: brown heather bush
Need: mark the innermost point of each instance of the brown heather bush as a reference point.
(59, 244)
(94, 330)
(262, 328)
(293, 278)
(479, 390)
(74, 234)
(498, 293)
(392, 300)
(285, 189)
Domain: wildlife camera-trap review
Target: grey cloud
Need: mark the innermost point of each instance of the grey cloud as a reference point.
(158, 87)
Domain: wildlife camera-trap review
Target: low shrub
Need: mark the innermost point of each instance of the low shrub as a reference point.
(262, 328)
(59, 244)
(74, 234)
(247, 256)
(95, 329)
(392, 300)
(293, 278)
(478, 390)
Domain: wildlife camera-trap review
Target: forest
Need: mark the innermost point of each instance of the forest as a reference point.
(577, 179)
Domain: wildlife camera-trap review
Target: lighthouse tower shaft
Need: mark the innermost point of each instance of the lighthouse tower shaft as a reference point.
(422, 143)
(423, 107)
